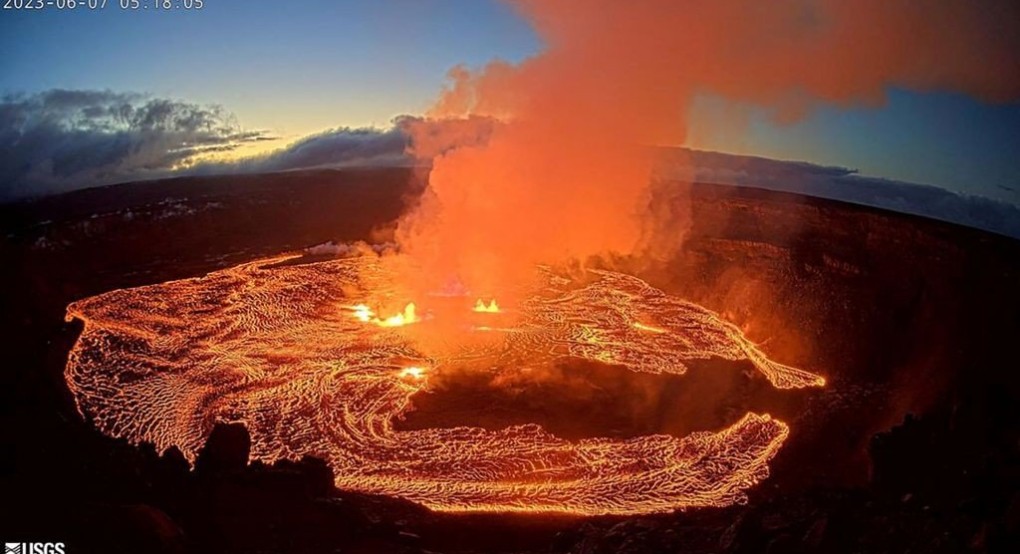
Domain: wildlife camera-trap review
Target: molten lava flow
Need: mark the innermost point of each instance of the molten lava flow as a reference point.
(265, 344)
(649, 328)
(413, 372)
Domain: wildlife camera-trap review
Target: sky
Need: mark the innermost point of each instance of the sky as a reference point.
(291, 69)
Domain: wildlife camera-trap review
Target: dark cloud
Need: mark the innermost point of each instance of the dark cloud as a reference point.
(61, 140)
(64, 139)
(840, 183)
(410, 140)
(341, 147)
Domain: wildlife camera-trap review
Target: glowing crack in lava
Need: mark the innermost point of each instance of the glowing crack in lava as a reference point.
(295, 353)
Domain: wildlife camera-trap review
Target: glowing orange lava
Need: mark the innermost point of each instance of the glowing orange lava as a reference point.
(649, 328)
(490, 308)
(413, 372)
(364, 313)
(296, 354)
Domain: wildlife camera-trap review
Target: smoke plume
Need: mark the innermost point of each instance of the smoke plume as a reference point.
(566, 173)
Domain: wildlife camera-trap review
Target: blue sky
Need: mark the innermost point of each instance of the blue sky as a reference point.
(295, 68)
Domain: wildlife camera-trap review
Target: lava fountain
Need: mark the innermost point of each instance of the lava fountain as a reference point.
(297, 353)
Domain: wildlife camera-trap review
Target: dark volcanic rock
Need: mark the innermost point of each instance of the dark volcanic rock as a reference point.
(901, 314)
(226, 450)
(131, 529)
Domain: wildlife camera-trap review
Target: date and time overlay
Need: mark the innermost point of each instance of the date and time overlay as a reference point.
(97, 5)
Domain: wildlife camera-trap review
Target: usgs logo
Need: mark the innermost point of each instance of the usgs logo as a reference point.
(33, 548)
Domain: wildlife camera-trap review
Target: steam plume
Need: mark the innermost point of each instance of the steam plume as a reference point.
(566, 174)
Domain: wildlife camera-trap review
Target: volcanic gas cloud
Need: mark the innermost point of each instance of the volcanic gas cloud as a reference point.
(533, 165)
(564, 171)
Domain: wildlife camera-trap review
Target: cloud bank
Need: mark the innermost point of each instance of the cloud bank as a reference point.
(838, 183)
(408, 141)
(339, 147)
(61, 140)
(58, 140)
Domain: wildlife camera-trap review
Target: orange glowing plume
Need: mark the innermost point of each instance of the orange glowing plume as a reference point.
(565, 173)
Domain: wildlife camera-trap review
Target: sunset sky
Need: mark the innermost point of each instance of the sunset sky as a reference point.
(298, 68)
